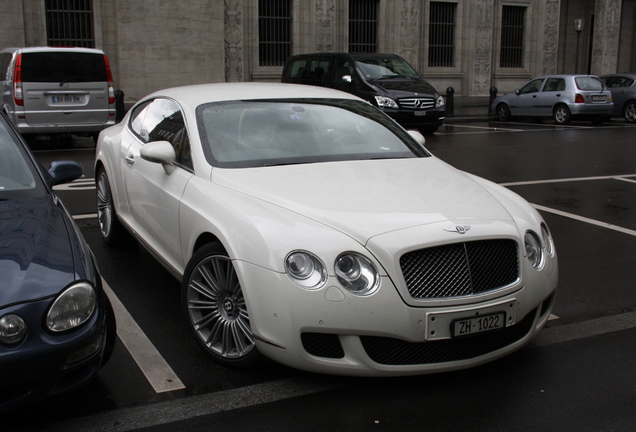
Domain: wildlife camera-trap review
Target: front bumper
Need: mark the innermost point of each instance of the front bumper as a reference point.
(416, 119)
(331, 331)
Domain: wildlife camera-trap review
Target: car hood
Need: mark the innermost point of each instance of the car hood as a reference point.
(36, 259)
(405, 87)
(364, 199)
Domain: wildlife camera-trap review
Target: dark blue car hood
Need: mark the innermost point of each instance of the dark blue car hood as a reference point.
(36, 256)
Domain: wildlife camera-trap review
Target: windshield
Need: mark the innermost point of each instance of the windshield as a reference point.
(264, 133)
(17, 176)
(385, 67)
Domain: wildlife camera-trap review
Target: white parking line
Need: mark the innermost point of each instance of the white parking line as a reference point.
(572, 179)
(586, 220)
(157, 371)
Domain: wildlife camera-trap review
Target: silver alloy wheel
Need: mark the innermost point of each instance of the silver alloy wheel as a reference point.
(630, 112)
(562, 114)
(216, 309)
(105, 209)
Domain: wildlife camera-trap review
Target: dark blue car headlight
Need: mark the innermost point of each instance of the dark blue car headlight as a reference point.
(72, 308)
(12, 329)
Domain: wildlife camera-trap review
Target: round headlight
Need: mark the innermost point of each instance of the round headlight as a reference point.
(534, 253)
(305, 269)
(72, 308)
(547, 240)
(356, 273)
(12, 329)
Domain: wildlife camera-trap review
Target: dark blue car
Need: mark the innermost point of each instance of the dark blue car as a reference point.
(57, 327)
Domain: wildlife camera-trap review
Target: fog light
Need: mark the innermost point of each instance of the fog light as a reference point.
(12, 329)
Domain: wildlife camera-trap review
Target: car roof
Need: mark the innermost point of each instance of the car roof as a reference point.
(52, 49)
(203, 93)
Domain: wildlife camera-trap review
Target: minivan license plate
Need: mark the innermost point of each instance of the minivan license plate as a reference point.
(478, 324)
(66, 99)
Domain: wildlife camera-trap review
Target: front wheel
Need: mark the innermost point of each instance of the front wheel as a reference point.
(503, 112)
(629, 112)
(215, 308)
(562, 115)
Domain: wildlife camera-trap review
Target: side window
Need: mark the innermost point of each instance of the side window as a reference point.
(532, 87)
(297, 68)
(137, 120)
(554, 84)
(164, 122)
(343, 67)
(318, 69)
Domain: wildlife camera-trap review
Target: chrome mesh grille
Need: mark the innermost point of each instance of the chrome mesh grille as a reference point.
(417, 103)
(460, 269)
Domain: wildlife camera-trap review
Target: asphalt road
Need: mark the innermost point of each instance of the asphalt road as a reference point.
(577, 375)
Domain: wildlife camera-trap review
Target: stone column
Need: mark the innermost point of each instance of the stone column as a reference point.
(325, 25)
(483, 51)
(550, 37)
(233, 23)
(607, 26)
(409, 31)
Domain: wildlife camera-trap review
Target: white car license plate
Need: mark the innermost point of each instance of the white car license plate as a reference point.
(597, 98)
(478, 324)
(419, 113)
(66, 99)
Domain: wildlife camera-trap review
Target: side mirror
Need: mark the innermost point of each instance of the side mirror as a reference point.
(160, 152)
(347, 79)
(418, 137)
(517, 92)
(65, 171)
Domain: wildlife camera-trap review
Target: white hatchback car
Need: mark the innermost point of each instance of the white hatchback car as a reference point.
(309, 227)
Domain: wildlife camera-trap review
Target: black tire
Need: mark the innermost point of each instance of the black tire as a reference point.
(503, 112)
(215, 308)
(112, 231)
(111, 331)
(629, 111)
(562, 115)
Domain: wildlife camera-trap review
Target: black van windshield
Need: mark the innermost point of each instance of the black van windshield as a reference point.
(63, 67)
(377, 67)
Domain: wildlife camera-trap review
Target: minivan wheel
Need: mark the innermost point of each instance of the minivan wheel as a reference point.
(629, 111)
(562, 115)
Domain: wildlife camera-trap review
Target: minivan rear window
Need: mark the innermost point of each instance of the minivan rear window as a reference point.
(63, 67)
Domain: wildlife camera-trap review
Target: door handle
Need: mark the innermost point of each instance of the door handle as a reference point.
(130, 159)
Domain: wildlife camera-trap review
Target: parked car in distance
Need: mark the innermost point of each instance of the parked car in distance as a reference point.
(623, 94)
(57, 90)
(386, 80)
(560, 97)
(57, 327)
(307, 226)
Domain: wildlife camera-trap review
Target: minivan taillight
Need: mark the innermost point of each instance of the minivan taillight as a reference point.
(17, 81)
(109, 78)
(579, 98)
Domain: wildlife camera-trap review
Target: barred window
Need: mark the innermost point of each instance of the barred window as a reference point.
(274, 32)
(441, 35)
(512, 29)
(69, 23)
(363, 26)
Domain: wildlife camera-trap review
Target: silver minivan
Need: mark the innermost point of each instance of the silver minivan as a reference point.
(57, 90)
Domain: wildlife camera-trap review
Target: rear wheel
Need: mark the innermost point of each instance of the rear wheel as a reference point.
(562, 115)
(503, 112)
(215, 308)
(112, 231)
(629, 112)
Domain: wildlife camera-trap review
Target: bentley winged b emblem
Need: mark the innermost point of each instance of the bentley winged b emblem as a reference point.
(459, 229)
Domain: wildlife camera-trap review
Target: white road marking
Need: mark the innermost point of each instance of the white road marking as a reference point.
(82, 183)
(572, 179)
(157, 371)
(586, 220)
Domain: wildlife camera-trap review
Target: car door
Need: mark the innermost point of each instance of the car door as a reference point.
(619, 87)
(153, 190)
(552, 92)
(525, 101)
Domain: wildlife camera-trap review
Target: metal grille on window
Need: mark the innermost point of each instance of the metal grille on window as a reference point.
(69, 23)
(363, 26)
(512, 29)
(441, 35)
(274, 32)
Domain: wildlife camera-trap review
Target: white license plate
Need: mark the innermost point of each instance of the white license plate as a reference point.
(419, 113)
(599, 98)
(478, 324)
(66, 99)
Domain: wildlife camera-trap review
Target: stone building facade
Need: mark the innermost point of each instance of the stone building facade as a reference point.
(154, 44)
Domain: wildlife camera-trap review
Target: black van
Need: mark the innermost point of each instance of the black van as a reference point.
(385, 80)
